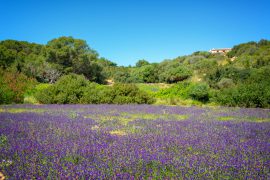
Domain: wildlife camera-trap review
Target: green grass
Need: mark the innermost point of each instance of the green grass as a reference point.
(249, 119)
(21, 110)
(176, 101)
(152, 88)
(121, 122)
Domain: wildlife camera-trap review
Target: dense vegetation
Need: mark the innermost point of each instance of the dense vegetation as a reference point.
(74, 89)
(78, 74)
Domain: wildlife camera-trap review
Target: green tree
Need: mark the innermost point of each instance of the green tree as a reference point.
(141, 63)
(145, 74)
(74, 55)
(7, 57)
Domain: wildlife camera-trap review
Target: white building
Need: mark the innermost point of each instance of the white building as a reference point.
(221, 50)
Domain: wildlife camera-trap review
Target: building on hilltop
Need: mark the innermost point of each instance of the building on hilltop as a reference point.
(221, 50)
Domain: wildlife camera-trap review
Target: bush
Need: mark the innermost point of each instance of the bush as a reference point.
(122, 76)
(245, 95)
(199, 92)
(238, 75)
(71, 89)
(67, 90)
(13, 86)
(129, 94)
(96, 94)
(180, 89)
(176, 74)
(6, 94)
(225, 83)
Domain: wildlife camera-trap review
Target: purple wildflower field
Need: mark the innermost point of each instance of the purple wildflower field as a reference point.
(133, 142)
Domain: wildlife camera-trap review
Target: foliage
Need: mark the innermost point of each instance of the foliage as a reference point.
(225, 83)
(129, 93)
(6, 94)
(145, 74)
(180, 89)
(186, 90)
(176, 74)
(96, 94)
(253, 92)
(229, 74)
(245, 95)
(67, 90)
(74, 55)
(122, 75)
(13, 86)
(199, 92)
(72, 89)
(7, 57)
(141, 63)
(205, 65)
(47, 63)
(237, 75)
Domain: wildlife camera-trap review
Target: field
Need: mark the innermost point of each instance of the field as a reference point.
(133, 142)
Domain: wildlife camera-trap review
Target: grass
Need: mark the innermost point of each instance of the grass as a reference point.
(176, 101)
(249, 119)
(21, 110)
(152, 88)
(121, 122)
(118, 132)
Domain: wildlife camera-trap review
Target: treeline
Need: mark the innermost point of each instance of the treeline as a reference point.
(240, 78)
(47, 63)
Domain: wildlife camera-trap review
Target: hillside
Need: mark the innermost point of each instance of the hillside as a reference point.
(239, 78)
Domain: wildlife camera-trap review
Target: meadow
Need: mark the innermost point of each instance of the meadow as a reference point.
(133, 142)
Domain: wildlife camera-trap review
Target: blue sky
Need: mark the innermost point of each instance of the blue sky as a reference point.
(125, 31)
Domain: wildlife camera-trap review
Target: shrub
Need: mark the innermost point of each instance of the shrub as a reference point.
(96, 94)
(176, 74)
(245, 95)
(13, 86)
(71, 89)
(129, 94)
(225, 83)
(178, 90)
(6, 94)
(122, 76)
(117, 94)
(67, 90)
(199, 92)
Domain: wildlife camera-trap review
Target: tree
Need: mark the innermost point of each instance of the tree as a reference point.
(7, 57)
(141, 63)
(74, 55)
(121, 75)
(145, 74)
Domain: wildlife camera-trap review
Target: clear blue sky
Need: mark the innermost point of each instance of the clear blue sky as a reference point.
(125, 31)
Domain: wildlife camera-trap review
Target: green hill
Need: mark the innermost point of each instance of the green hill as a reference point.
(238, 78)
